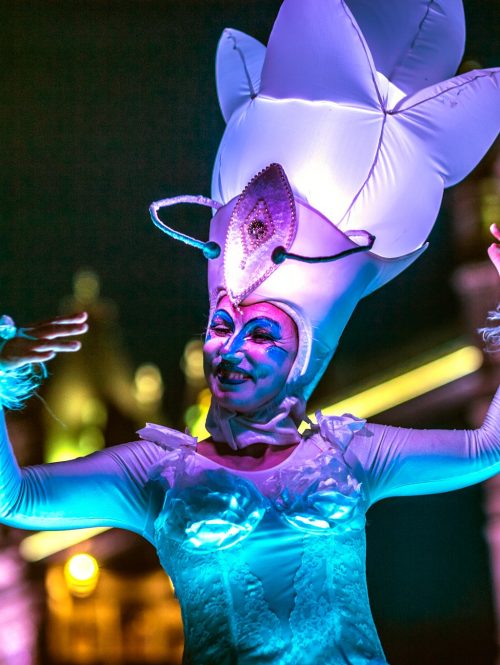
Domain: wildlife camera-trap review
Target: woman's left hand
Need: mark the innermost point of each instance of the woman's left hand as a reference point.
(39, 342)
(494, 249)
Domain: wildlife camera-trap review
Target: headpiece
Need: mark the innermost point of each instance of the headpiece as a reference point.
(340, 140)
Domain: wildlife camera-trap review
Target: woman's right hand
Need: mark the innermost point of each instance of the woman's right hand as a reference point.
(39, 342)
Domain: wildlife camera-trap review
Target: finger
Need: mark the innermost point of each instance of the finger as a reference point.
(28, 360)
(79, 317)
(494, 254)
(495, 231)
(57, 347)
(53, 331)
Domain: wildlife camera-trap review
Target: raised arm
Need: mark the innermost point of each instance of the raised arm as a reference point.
(395, 461)
(108, 488)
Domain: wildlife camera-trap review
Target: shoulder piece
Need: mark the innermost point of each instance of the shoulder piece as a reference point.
(339, 430)
(166, 437)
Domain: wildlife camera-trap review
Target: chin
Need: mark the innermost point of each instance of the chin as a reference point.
(232, 401)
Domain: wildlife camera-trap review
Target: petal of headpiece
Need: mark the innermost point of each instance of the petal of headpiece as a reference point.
(414, 43)
(316, 51)
(458, 120)
(430, 141)
(391, 204)
(238, 67)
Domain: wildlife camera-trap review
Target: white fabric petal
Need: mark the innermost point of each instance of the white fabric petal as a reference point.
(400, 199)
(316, 51)
(456, 121)
(326, 150)
(238, 67)
(414, 43)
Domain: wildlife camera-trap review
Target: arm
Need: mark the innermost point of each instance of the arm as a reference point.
(393, 461)
(108, 488)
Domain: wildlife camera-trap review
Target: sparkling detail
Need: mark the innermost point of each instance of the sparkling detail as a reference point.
(257, 230)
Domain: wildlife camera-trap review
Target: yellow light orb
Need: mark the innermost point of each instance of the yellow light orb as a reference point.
(81, 573)
(148, 384)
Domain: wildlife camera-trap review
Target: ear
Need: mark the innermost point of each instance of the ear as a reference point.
(238, 67)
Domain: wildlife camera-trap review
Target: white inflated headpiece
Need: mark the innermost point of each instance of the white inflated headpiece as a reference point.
(352, 106)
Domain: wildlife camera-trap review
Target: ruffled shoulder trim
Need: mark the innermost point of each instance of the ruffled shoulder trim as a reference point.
(166, 437)
(339, 430)
(179, 447)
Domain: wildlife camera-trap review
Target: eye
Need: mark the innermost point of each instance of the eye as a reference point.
(261, 336)
(220, 329)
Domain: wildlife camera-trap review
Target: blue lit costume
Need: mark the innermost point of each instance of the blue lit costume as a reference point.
(332, 127)
(269, 566)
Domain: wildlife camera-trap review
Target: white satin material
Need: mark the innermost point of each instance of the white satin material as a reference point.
(274, 425)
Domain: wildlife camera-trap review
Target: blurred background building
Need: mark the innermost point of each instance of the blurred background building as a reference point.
(106, 106)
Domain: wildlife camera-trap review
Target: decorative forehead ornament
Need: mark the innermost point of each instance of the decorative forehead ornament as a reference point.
(263, 219)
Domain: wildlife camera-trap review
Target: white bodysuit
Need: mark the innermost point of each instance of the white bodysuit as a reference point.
(268, 566)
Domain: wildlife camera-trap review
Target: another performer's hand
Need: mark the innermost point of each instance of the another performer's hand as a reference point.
(39, 342)
(494, 249)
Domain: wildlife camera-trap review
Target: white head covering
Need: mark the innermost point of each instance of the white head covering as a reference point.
(320, 295)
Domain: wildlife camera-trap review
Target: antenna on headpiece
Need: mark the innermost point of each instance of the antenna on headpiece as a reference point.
(210, 249)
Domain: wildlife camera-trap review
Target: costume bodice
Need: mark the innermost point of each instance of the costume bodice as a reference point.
(268, 566)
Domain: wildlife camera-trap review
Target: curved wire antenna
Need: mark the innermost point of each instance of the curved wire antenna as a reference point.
(210, 249)
(280, 254)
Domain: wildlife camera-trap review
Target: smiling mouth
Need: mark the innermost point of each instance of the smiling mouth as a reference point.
(231, 377)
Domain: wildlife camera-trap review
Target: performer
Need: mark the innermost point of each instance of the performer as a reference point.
(326, 184)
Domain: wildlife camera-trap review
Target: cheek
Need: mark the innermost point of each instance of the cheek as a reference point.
(275, 364)
(277, 356)
(210, 350)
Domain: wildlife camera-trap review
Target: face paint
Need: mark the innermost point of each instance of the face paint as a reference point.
(248, 354)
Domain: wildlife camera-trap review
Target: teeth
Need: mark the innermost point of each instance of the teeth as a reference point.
(234, 376)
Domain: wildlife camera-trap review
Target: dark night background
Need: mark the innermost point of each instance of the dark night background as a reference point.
(109, 105)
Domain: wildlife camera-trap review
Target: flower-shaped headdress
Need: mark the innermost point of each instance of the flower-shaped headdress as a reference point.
(340, 139)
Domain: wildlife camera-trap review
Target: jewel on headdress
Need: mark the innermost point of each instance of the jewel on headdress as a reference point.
(263, 218)
(257, 229)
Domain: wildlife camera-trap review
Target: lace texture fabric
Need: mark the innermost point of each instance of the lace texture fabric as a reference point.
(269, 566)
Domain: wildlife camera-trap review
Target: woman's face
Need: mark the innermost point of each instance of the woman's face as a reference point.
(248, 354)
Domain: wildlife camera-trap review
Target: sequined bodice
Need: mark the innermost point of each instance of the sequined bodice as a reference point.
(269, 566)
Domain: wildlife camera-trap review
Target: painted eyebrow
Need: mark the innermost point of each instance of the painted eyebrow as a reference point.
(223, 315)
(273, 325)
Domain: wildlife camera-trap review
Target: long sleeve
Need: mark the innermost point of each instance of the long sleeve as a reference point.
(394, 461)
(107, 488)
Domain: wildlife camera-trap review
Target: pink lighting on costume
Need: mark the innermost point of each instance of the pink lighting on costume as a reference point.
(18, 613)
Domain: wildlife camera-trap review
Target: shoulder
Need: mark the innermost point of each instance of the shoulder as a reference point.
(338, 431)
(176, 450)
(166, 437)
(158, 446)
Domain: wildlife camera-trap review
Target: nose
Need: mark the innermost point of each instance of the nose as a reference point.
(231, 351)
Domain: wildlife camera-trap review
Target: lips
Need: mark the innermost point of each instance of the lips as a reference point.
(231, 376)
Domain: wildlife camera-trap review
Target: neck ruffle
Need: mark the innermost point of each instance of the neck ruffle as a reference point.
(276, 424)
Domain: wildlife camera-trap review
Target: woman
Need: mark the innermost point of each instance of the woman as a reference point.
(264, 541)
(261, 528)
